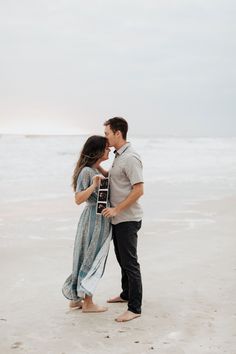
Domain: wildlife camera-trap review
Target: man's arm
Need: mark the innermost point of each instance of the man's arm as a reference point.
(102, 171)
(134, 195)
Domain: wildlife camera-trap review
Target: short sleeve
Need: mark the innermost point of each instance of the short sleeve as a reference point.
(84, 180)
(134, 170)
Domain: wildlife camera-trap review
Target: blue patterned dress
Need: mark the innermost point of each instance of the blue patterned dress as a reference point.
(91, 246)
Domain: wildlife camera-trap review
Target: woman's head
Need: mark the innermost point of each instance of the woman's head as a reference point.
(93, 150)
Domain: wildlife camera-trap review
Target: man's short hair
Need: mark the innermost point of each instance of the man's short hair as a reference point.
(118, 123)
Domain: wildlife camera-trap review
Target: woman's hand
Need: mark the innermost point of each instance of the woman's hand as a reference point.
(82, 196)
(97, 180)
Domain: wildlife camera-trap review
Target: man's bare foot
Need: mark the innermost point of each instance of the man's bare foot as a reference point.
(127, 316)
(115, 299)
(93, 308)
(74, 305)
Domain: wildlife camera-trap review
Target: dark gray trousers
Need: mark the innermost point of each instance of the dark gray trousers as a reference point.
(125, 243)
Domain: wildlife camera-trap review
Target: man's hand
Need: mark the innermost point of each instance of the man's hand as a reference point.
(135, 193)
(109, 212)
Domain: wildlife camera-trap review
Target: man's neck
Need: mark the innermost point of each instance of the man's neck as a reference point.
(120, 144)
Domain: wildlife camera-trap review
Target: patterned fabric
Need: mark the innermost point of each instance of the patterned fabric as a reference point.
(91, 246)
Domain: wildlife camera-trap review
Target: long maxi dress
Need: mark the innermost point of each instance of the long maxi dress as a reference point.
(91, 245)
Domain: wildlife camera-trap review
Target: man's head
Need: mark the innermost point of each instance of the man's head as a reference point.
(116, 131)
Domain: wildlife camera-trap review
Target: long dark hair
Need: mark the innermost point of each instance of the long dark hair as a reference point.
(92, 150)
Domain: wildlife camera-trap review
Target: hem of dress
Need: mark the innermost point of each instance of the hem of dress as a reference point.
(78, 298)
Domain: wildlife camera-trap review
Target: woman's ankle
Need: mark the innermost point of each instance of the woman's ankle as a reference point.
(88, 300)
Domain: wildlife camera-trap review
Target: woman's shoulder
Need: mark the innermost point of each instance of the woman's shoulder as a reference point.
(87, 171)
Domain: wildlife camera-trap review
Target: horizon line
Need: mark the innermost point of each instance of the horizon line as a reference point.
(134, 135)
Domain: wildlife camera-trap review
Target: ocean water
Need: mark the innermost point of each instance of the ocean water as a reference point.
(178, 172)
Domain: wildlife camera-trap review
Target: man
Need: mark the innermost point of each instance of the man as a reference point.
(126, 187)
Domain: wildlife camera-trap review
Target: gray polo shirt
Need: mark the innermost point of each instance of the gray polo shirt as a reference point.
(125, 172)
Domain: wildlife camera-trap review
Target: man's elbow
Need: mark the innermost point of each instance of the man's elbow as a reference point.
(139, 190)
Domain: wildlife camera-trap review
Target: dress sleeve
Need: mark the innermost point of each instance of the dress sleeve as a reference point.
(84, 180)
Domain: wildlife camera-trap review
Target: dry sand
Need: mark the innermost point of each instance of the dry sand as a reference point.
(188, 268)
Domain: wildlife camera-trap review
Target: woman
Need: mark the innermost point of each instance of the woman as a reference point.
(93, 232)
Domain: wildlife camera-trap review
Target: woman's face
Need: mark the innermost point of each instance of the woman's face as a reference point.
(105, 156)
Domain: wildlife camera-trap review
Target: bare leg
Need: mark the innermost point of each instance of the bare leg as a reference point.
(89, 306)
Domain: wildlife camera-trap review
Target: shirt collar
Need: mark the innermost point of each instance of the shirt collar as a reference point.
(122, 149)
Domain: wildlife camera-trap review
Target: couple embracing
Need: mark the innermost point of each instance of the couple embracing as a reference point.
(123, 215)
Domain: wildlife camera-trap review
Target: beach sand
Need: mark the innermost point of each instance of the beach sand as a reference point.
(188, 268)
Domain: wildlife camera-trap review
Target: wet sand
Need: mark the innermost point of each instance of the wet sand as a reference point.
(188, 268)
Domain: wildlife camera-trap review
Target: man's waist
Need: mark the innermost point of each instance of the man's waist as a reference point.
(133, 212)
(124, 217)
(115, 201)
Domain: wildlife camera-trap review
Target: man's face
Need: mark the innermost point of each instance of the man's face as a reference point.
(110, 135)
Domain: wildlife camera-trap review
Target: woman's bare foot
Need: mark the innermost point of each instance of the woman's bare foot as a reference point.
(93, 308)
(115, 299)
(127, 316)
(74, 305)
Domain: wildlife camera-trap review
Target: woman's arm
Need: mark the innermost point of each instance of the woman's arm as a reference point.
(102, 171)
(81, 197)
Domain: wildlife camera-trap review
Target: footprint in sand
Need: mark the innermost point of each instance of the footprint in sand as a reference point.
(16, 345)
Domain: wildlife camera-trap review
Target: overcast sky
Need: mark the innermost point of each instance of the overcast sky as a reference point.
(167, 66)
